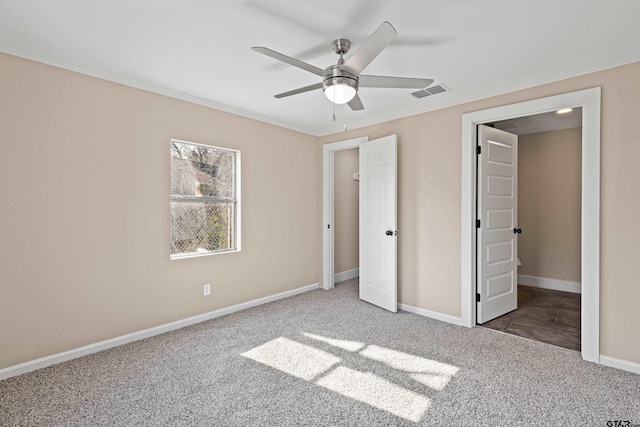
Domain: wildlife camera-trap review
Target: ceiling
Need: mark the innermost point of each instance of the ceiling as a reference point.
(544, 122)
(200, 50)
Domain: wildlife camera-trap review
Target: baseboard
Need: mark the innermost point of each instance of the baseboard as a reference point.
(545, 283)
(54, 359)
(431, 314)
(620, 364)
(346, 275)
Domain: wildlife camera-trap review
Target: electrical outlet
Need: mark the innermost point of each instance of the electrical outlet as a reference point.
(206, 290)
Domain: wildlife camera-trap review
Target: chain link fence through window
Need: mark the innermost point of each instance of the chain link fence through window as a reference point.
(202, 199)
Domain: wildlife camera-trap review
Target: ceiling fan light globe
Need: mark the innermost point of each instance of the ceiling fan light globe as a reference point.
(340, 93)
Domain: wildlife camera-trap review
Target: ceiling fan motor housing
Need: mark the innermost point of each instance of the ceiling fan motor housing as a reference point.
(335, 76)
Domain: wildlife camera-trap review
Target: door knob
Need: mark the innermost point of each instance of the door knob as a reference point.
(517, 230)
(389, 233)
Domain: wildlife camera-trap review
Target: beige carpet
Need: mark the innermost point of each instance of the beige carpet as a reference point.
(324, 358)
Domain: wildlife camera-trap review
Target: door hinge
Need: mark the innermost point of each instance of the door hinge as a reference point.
(478, 149)
(477, 223)
(477, 297)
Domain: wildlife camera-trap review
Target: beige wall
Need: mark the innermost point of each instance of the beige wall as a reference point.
(84, 182)
(429, 210)
(549, 185)
(346, 210)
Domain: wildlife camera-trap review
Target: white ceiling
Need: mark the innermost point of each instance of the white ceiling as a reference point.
(542, 122)
(200, 50)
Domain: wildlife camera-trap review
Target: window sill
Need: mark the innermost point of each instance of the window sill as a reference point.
(201, 254)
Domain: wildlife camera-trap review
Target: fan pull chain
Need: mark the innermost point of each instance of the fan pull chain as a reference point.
(334, 111)
(345, 115)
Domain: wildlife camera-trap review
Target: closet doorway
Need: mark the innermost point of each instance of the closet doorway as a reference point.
(548, 190)
(589, 100)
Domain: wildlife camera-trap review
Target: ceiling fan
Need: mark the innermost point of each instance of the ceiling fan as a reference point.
(340, 82)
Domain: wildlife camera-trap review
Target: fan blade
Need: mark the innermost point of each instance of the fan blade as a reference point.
(393, 82)
(356, 103)
(289, 60)
(299, 90)
(370, 49)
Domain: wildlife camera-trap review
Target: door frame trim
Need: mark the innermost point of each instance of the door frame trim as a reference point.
(589, 100)
(328, 237)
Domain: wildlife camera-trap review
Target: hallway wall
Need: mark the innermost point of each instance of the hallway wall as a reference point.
(549, 186)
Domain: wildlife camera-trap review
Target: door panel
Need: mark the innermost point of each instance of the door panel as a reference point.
(499, 285)
(499, 252)
(378, 250)
(498, 212)
(499, 219)
(500, 186)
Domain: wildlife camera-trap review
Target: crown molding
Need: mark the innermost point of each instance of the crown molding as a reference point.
(45, 58)
(432, 105)
(452, 100)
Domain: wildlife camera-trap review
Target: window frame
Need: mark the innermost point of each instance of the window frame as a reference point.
(236, 181)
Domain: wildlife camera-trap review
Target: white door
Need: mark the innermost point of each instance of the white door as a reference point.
(378, 226)
(497, 249)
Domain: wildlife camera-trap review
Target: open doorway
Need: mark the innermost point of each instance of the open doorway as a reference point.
(328, 206)
(548, 245)
(346, 218)
(589, 101)
(377, 218)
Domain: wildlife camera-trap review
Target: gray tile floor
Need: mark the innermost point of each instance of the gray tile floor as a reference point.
(543, 315)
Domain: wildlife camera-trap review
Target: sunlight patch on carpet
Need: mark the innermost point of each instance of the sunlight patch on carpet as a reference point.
(377, 392)
(343, 344)
(329, 371)
(293, 358)
(431, 373)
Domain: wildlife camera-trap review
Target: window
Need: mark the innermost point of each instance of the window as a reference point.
(205, 203)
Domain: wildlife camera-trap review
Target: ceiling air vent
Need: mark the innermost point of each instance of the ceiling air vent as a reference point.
(430, 91)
